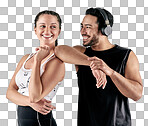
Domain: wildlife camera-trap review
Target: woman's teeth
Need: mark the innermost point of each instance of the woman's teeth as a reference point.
(46, 36)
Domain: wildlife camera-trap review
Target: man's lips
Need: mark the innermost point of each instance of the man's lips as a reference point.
(85, 37)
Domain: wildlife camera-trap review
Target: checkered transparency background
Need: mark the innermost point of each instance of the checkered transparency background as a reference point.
(17, 38)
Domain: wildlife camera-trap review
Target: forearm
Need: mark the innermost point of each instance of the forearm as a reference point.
(17, 98)
(35, 86)
(71, 55)
(129, 88)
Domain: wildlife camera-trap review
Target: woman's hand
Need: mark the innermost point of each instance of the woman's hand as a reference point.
(42, 52)
(43, 106)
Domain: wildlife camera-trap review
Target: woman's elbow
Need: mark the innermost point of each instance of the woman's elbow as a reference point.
(8, 94)
(34, 98)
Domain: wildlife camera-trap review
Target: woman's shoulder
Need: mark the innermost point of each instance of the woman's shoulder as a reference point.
(56, 66)
(57, 61)
(22, 60)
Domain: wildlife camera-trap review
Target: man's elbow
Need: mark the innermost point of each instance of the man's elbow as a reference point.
(138, 96)
(58, 49)
(138, 93)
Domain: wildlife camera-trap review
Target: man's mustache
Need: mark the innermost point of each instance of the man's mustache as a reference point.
(85, 35)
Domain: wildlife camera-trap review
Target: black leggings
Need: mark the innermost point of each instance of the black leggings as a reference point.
(29, 117)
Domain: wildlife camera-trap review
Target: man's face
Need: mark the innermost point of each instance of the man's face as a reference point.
(89, 30)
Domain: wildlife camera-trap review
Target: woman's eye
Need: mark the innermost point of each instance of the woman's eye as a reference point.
(53, 26)
(42, 26)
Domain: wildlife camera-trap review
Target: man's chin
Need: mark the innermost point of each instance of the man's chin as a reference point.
(86, 44)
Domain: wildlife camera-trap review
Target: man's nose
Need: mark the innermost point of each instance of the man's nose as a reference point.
(83, 30)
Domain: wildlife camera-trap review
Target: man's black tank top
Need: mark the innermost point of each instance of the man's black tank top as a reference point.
(103, 107)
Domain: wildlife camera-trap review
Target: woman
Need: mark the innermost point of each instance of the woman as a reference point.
(38, 75)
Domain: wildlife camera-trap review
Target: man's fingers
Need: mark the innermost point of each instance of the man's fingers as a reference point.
(93, 58)
(92, 66)
(104, 85)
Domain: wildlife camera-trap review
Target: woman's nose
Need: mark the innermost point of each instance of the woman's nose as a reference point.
(47, 31)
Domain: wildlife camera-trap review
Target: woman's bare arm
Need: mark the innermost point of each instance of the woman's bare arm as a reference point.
(12, 91)
(39, 87)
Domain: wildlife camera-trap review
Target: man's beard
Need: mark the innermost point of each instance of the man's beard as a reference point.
(92, 42)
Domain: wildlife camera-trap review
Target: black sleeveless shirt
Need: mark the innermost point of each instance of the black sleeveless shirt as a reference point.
(103, 107)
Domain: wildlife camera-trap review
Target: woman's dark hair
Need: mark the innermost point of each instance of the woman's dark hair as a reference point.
(100, 18)
(49, 13)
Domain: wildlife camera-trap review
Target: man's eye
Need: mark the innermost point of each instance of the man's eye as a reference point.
(88, 27)
(81, 27)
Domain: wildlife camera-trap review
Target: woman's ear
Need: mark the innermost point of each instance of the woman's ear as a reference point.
(35, 30)
(59, 31)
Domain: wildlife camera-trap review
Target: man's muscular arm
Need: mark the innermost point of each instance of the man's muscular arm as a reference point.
(130, 85)
(76, 56)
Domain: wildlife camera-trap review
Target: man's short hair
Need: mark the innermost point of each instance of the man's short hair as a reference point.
(100, 19)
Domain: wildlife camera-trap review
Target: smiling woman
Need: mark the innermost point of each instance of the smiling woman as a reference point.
(47, 26)
(38, 76)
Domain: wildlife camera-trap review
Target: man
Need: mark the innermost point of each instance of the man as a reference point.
(107, 106)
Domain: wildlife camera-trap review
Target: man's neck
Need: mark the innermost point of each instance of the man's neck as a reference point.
(103, 44)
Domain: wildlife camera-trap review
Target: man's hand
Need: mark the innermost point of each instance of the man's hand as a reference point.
(99, 64)
(100, 78)
(100, 69)
(43, 106)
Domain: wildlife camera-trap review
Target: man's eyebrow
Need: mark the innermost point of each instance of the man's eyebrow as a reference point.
(44, 23)
(86, 24)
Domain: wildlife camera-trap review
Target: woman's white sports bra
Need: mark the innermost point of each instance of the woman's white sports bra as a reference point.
(22, 79)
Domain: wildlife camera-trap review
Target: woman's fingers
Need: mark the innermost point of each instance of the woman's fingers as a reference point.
(36, 49)
(49, 105)
(42, 47)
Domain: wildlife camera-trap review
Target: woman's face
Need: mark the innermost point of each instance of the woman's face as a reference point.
(47, 29)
